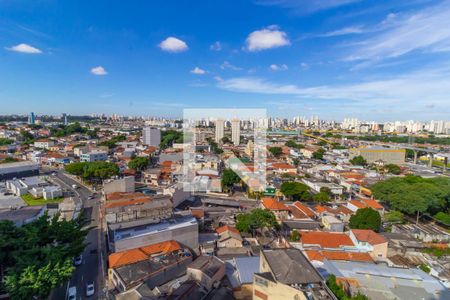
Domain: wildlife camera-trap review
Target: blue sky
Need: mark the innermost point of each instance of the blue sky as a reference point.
(375, 60)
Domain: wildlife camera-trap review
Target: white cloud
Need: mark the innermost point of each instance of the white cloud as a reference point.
(307, 6)
(344, 31)
(98, 71)
(425, 30)
(174, 45)
(275, 67)
(227, 65)
(267, 38)
(198, 71)
(217, 46)
(418, 88)
(304, 66)
(24, 48)
(218, 78)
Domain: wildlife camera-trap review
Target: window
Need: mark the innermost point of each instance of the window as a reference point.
(260, 281)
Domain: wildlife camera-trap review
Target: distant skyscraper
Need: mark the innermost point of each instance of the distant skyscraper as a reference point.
(31, 119)
(235, 131)
(64, 119)
(151, 136)
(219, 130)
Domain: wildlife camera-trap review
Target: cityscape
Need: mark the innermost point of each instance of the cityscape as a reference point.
(249, 150)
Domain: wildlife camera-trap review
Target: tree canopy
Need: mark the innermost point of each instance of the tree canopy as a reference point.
(169, 137)
(319, 153)
(321, 197)
(276, 151)
(295, 190)
(293, 144)
(393, 169)
(256, 219)
(138, 163)
(229, 177)
(414, 194)
(365, 218)
(358, 161)
(92, 171)
(5, 141)
(37, 257)
(112, 143)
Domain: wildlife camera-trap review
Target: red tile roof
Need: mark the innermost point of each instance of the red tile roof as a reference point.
(227, 228)
(357, 203)
(125, 196)
(338, 255)
(368, 235)
(372, 203)
(132, 256)
(304, 209)
(325, 239)
(272, 204)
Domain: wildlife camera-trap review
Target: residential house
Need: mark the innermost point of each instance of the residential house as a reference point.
(280, 210)
(229, 237)
(153, 264)
(206, 270)
(370, 241)
(287, 274)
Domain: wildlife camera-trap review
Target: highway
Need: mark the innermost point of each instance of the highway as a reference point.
(91, 269)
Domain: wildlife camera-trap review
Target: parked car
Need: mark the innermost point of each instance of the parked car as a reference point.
(72, 294)
(90, 289)
(77, 261)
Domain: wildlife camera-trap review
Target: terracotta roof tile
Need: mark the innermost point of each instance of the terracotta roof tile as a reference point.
(227, 228)
(304, 209)
(272, 204)
(370, 236)
(372, 203)
(338, 255)
(325, 239)
(132, 256)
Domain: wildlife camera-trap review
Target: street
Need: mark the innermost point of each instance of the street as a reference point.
(91, 269)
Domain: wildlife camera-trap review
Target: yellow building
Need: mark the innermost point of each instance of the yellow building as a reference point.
(287, 274)
(386, 155)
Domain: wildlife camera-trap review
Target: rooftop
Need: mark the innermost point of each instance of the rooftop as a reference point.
(370, 236)
(325, 239)
(272, 204)
(290, 266)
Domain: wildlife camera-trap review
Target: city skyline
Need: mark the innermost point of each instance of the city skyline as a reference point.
(372, 61)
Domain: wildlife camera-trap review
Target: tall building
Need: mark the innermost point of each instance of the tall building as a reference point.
(64, 119)
(151, 136)
(31, 119)
(235, 131)
(219, 130)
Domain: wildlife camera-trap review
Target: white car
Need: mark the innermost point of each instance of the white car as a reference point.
(74, 186)
(72, 294)
(77, 261)
(90, 289)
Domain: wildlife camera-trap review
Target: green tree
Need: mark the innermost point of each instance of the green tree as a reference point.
(138, 163)
(366, 218)
(358, 161)
(256, 219)
(295, 236)
(393, 169)
(414, 194)
(295, 190)
(276, 151)
(339, 292)
(319, 153)
(393, 216)
(5, 141)
(229, 178)
(93, 171)
(45, 262)
(321, 197)
(226, 140)
(443, 217)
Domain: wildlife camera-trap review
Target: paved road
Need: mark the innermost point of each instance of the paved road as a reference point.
(91, 269)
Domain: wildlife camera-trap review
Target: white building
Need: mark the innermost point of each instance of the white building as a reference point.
(151, 136)
(235, 131)
(94, 155)
(219, 130)
(44, 144)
